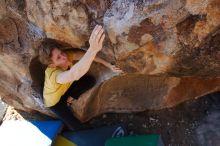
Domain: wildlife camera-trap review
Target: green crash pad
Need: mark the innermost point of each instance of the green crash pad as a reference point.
(62, 141)
(142, 140)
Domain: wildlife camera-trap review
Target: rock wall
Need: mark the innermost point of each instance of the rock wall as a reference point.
(168, 49)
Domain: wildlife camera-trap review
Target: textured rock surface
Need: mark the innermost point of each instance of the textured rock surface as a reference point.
(137, 92)
(3, 108)
(168, 49)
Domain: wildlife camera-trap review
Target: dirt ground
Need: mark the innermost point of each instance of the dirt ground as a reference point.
(193, 123)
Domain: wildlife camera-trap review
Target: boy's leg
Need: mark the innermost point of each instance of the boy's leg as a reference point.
(76, 89)
(65, 114)
(81, 86)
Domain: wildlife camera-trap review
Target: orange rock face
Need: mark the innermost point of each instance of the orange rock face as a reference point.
(169, 51)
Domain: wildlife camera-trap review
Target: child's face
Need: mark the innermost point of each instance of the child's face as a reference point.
(58, 57)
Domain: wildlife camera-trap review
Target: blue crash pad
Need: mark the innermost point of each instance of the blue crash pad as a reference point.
(49, 128)
(95, 137)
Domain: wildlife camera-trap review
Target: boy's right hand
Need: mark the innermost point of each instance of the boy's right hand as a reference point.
(70, 100)
(96, 39)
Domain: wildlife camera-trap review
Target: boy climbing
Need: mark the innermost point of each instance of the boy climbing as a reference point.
(65, 81)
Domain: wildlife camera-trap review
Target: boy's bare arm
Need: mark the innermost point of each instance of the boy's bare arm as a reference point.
(83, 65)
(79, 54)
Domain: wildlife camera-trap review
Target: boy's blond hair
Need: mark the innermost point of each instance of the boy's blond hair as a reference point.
(46, 49)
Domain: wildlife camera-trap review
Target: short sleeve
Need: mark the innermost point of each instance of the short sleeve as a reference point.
(53, 76)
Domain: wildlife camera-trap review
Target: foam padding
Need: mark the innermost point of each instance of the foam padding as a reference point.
(143, 140)
(49, 128)
(62, 141)
(95, 137)
(25, 133)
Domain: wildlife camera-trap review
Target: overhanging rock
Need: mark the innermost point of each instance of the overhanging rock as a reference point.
(169, 51)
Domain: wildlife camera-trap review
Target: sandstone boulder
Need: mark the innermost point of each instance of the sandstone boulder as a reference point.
(169, 51)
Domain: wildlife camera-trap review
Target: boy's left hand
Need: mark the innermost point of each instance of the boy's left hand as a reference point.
(115, 69)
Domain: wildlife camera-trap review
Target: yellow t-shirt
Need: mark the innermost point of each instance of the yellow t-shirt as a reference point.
(52, 90)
